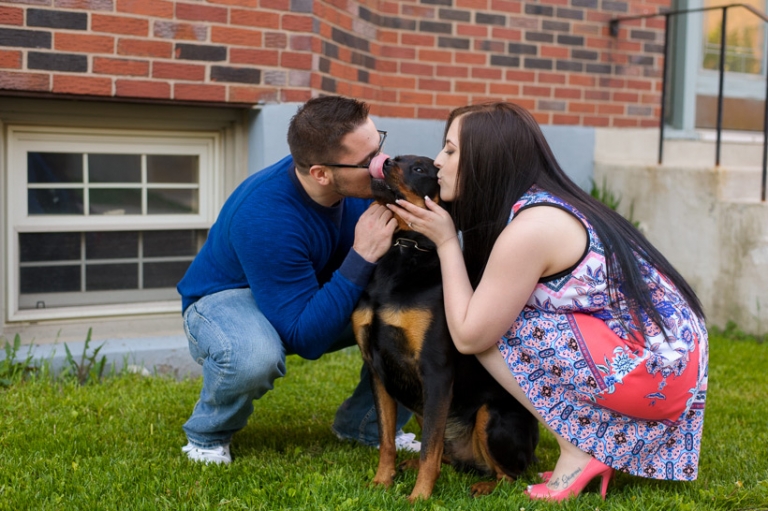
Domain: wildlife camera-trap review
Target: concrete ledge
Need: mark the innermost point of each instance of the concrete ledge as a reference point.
(158, 355)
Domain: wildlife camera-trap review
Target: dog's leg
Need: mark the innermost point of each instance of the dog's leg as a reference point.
(483, 455)
(386, 413)
(437, 398)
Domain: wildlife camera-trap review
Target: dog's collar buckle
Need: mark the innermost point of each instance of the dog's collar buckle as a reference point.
(409, 243)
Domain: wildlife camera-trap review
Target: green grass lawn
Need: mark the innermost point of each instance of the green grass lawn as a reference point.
(116, 445)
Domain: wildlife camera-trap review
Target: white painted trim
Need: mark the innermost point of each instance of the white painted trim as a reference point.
(23, 138)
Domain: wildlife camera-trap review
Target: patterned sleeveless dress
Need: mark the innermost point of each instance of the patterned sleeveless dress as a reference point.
(635, 405)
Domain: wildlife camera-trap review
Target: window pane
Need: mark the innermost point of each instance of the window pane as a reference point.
(114, 168)
(115, 201)
(170, 243)
(111, 245)
(54, 201)
(54, 168)
(172, 169)
(743, 38)
(157, 275)
(171, 202)
(50, 279)
(49, 246)
(104, 277)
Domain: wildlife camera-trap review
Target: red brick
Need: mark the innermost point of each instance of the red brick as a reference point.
(610, 109)
(82, 85)
(586, 81)
(278, 5)
(156, 8)
(11, 16)
(251, 94)
(419, 12)
(557, 52)
(199, 92)
(253, 18)
(236, 36)
(141, 48)
(505, 89)
(520, 76)
(196, 12)
(10, 59)
(472, 4)
(417, 98)
(25, 81)
(466, 57)
(470, 87)
(565, 119)
(485, 73)
(506, 34)
(418, 40)
(410, 68)
(301, 42)
(254, 57)
(472, 30)
(124, 67)
(275, 40)
(551, 77)
(238, 3)
(398, 52)
(506, 6)
(292, 60)
(582, 108)
(539, 92)
(142, 89)
(595, 121)
(295, 95)
(432, 113)
(174, 71)
(400, 82)
(597, 95)
(627, 97)
(435, 56)
(435, 85)
(451, 100)
(625, 123)
(297, 23)
(119, 25)
(83, 43)
(452, 71)
(561, 93)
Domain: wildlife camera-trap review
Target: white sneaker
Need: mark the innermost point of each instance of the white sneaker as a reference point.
(407, 442)
(218, 454)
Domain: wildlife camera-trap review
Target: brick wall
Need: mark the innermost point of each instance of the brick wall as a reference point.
(408, 58)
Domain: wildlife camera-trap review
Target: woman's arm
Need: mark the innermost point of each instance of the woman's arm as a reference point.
(540, 241)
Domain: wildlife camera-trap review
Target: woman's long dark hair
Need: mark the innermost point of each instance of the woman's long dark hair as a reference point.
(502, 153)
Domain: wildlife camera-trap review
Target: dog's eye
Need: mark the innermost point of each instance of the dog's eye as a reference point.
(418, 169)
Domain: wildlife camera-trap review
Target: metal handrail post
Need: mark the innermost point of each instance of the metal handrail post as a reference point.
(765, 144)
(720, 86)
(664, 87)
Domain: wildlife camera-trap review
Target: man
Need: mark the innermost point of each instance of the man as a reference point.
(282, 269)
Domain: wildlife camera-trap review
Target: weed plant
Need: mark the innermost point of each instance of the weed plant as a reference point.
(117, 445)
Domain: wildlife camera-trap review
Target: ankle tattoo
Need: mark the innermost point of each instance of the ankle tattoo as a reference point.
(565, 480)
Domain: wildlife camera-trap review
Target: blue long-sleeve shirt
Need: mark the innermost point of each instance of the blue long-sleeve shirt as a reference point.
(295, 255)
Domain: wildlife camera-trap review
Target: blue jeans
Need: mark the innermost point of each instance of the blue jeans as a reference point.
(242, 355)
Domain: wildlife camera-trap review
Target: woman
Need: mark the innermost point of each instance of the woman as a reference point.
(566, 304)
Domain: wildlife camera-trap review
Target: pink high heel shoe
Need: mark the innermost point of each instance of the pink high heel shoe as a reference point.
(593, 469)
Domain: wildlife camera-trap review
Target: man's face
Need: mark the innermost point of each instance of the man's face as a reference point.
(360, 146)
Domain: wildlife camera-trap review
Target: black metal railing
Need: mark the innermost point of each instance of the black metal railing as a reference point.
(614, 30)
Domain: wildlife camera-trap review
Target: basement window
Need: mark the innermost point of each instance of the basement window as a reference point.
(104, 222)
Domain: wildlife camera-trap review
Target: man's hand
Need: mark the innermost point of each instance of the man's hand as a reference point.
(373, 232)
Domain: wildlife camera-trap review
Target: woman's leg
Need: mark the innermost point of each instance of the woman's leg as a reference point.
(572, 460)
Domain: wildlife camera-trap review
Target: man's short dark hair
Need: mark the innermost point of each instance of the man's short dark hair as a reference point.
(315, 132)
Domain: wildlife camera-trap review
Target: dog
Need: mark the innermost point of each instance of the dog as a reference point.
(467, 418)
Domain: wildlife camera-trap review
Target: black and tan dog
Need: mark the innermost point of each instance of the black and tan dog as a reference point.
(467, 418)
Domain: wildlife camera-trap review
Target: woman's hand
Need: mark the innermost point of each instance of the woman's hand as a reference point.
(434, 222)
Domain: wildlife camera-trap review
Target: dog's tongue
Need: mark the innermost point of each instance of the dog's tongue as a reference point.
(376, 168)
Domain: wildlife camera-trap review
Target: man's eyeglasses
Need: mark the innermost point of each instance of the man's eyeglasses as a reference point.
(382, 138)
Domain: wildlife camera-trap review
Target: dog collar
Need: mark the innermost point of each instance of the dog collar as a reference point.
(409, 243)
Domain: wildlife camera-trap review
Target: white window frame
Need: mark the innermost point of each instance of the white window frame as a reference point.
(692, 79)
(23, 139)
